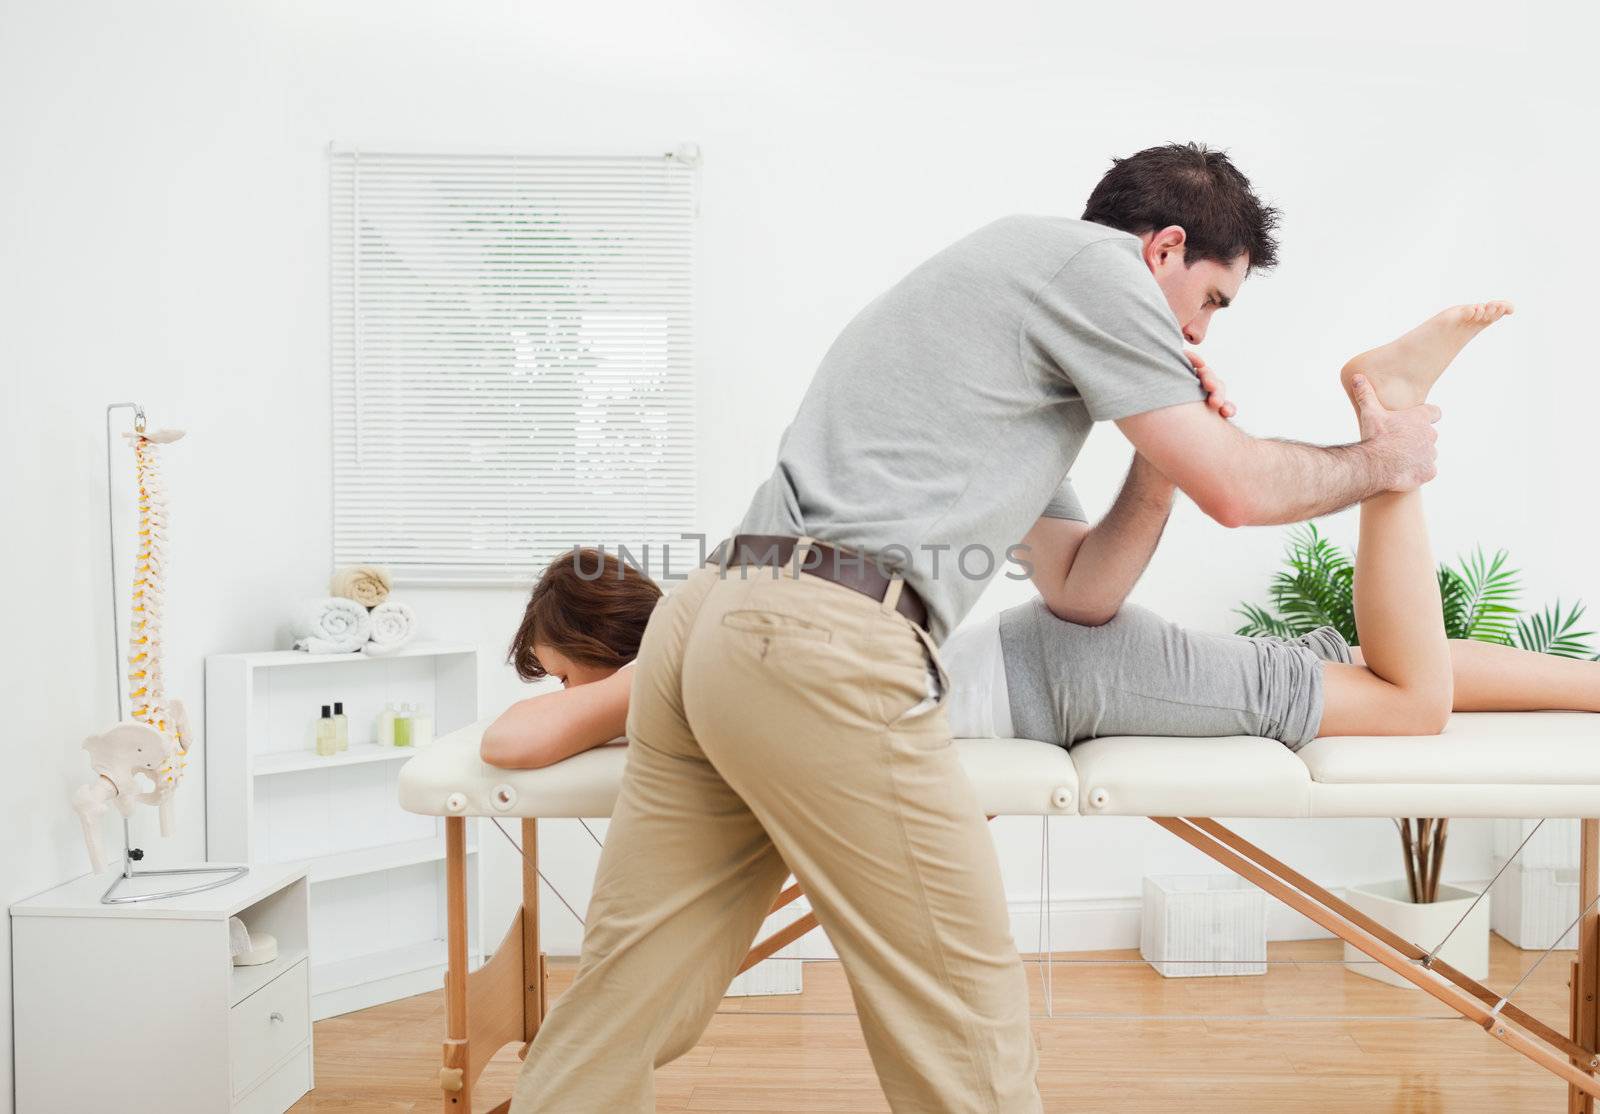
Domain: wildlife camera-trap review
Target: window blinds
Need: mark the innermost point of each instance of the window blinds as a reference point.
(512, 360)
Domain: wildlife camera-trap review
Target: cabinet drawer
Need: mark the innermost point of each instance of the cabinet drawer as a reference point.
(268, 1026)
(281, 1089)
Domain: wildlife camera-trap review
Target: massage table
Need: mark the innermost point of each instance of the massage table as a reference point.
(1512, 765)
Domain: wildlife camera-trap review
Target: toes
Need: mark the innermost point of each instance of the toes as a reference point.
(1485, 313)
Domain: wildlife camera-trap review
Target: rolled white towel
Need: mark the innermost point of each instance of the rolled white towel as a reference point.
(393, 624)
(334, 625)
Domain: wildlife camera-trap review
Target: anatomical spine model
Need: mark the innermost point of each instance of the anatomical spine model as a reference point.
(141, 759)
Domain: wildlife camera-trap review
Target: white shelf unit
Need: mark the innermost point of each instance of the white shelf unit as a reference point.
(376, 873)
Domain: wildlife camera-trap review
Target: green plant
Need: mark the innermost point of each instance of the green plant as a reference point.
(1316, 587)
(1478, 596)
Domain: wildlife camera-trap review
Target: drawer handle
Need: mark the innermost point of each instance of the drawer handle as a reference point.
(274, 1016)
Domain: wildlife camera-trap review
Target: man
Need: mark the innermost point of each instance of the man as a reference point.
(791, 720)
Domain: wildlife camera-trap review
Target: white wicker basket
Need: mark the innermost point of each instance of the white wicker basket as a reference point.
(1203, 924)
(1555, 844)
(1533, 904)
(770, 976)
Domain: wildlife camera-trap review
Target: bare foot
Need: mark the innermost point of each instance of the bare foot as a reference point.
(1403, 371)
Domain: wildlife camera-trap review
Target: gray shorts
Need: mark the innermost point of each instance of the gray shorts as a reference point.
(1142, 675)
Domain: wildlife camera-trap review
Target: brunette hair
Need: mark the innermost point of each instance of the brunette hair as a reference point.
(1195, 188)
(589, 605)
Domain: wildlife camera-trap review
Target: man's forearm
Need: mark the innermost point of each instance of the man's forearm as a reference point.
(1114, 554)
(1240, 480)
(1291, 481)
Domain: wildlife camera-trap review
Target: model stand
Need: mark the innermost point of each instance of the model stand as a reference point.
(150, 743)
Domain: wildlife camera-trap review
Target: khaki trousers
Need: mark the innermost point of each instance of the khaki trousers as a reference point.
(782, 723)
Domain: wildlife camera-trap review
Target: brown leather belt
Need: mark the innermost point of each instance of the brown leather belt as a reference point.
(855, 571)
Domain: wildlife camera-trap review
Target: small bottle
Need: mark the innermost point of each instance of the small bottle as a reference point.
(421, 726)
(341, 725)
(327, 734)
(402, 726)
(386, 726)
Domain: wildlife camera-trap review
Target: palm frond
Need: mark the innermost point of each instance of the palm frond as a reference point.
(1490, 612)
(1551, 632)
(1315, 597)
(1261, 623)
(1454, 598)
(1314, 589)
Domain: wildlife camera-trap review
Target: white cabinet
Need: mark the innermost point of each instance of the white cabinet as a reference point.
(138, 1008)
(376, 873)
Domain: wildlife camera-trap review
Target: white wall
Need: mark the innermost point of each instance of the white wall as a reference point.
(163, 231)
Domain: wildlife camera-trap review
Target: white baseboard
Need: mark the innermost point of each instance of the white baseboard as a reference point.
(1090, 924)
(1075, 924)
(348, 999)
(1081, 924)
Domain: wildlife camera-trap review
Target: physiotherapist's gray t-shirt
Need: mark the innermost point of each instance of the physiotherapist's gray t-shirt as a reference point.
(948, 413)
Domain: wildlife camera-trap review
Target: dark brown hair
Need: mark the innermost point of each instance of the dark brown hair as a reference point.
(589, 605)
(1195, 188)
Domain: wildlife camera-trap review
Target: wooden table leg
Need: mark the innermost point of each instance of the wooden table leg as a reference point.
(454, 1078)
(532, 958)
(1585, 984)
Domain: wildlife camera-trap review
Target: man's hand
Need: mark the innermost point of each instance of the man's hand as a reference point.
(1216, 390)
(1405, 437)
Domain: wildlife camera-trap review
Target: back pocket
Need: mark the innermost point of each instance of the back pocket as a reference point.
(776, 624)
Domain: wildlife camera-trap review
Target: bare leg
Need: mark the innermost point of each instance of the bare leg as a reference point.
(1493, 678)
(1405, 685)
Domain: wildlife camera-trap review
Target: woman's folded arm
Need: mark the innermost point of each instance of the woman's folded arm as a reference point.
(544, 729)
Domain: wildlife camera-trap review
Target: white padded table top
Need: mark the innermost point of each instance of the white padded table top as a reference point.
(1013, 777)
(1485, 764)
(1524, 764)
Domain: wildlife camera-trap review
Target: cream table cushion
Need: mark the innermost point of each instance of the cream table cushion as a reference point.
(1485, 764)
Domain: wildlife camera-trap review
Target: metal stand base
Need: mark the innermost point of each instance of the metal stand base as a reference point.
(131, 855)
(229, 874)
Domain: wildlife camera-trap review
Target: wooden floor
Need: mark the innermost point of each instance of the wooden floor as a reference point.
(1306, 1036)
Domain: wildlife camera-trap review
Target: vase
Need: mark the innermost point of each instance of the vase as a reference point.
(1390, 904)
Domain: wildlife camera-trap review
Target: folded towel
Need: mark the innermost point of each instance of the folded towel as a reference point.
(393, 624)
(332, 626)
(368, 585)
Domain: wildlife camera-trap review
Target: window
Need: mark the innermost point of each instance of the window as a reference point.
(512, 359)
